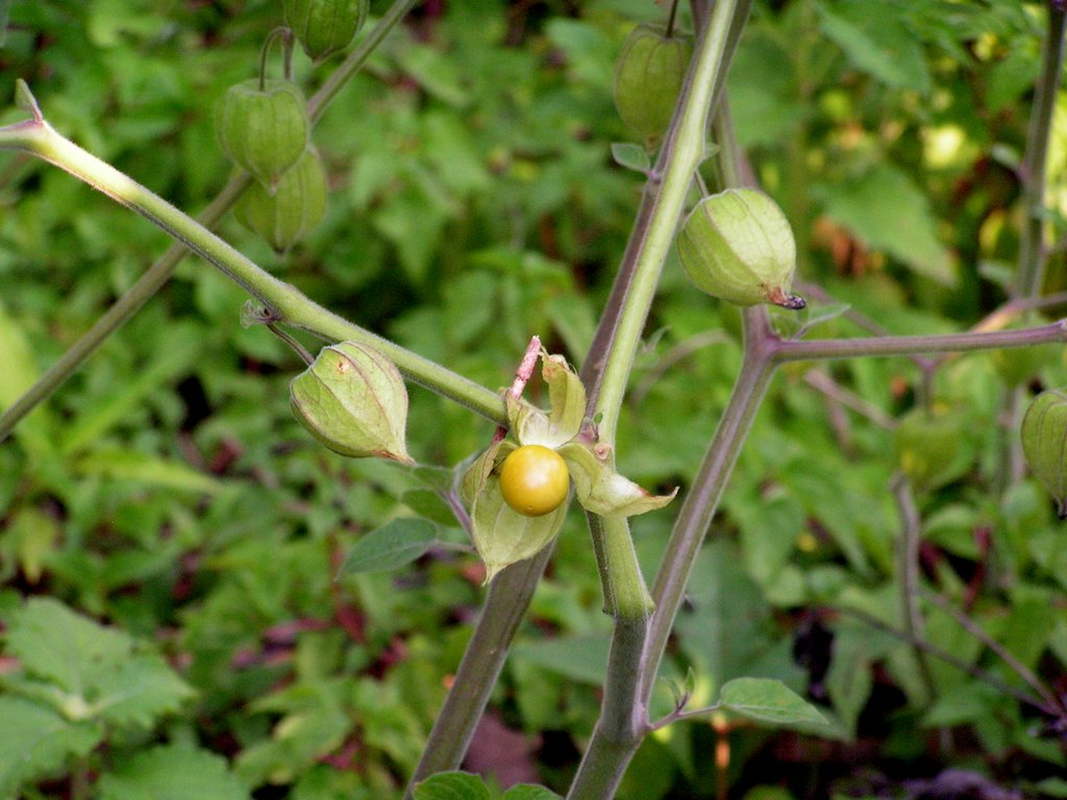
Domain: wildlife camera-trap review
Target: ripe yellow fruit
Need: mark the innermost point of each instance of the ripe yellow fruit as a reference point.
(534, 480)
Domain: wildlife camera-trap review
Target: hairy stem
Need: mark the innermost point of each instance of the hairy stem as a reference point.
(38, 137)
(817, 349)
(159, 273)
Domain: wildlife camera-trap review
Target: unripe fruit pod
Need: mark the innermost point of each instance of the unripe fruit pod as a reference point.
(737, 245)
(325, 26)
(1044, 436)
(353, 400)
(648, 77)
(264, 131)
(928, 447)
(297, 206)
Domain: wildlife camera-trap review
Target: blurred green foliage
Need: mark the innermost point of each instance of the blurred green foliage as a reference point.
(167, 494)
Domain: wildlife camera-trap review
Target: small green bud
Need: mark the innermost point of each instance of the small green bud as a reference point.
(649, 75)
(737, 245)
(353, 400)
(264, 131)
(928, 447)
(325, 26)
(1044, 436)
(296, 207)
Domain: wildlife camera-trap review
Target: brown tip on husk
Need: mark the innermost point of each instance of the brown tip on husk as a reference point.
(791, 301)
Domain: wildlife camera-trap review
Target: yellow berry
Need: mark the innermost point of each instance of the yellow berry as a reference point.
(534, 480)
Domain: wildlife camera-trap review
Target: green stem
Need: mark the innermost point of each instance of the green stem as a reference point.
(159, 273)
(123, 309)
(625, 593)
(816, 349)
(1032, 257)
(646, 253)
(623, 721)
(286, 37)
(908, 543)
(683, 152)
(291, 307)
(702, 500)
(506, 604)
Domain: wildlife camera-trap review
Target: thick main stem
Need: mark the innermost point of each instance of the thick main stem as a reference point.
(684, 150)
(505, 606)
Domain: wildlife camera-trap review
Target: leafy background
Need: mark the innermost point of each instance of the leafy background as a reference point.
(174, 620)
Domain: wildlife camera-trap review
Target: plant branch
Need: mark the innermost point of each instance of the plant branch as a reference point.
(1002, 652)
(505, 606)
(290, 306)
(814, 349)
(823, 383)
(623, 719)
(908, 541)
(702, 500)
(943, 655)
(1030, 274)
(157, 275)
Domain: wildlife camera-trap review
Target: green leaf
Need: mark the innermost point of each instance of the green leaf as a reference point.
(849, 679)
(566, 396)
(177, 350)
(172, 772)
(430, 505)
(528, 791)
(452, 786)
(138, 691)
(24, 98)
(54, 643)
(147, 469)
(887, 210)
(631, 156)
(1052, 787)
(436, 73)
(578, 658)
(19, 371)
(35, 741)
(768, 700)
(393, 545)
(878, 41)
(96, 667)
